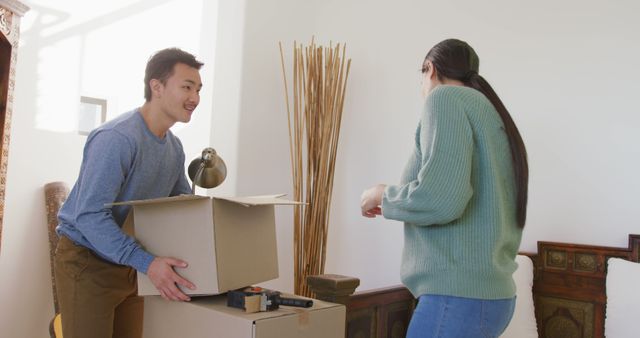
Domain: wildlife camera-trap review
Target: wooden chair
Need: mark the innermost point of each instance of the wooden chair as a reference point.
(55, 193)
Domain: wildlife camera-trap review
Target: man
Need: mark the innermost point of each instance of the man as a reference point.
(135, 156)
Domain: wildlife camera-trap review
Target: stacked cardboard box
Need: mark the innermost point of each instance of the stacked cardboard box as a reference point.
(229, 243)
(209, 317)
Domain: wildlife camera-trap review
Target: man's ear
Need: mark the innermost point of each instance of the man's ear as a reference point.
(156, 87)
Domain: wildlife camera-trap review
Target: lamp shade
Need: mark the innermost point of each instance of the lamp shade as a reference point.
(208, 170)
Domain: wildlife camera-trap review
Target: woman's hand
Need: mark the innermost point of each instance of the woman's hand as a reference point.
(370, 201)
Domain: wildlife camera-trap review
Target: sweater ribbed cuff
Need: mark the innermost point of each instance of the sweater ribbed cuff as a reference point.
(140, 260)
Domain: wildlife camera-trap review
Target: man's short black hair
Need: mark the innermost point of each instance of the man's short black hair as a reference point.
(160, 66)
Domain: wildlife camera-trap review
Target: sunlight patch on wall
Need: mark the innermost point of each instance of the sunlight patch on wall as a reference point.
(101, 51)
(55, 103)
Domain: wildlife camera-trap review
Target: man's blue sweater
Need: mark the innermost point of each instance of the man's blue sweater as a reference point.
(122, 160)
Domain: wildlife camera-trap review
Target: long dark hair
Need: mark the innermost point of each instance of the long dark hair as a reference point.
(455, 59)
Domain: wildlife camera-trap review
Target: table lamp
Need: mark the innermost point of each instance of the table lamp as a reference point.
(207, 170)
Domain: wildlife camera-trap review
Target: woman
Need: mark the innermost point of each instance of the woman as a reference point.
(463, 200)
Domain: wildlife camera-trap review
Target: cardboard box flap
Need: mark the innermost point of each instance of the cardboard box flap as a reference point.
(159, 200)
(249, 201)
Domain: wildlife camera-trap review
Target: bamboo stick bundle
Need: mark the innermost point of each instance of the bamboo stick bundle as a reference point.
(314, 117)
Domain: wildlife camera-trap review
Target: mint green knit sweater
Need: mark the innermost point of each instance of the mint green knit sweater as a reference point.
(457, 200)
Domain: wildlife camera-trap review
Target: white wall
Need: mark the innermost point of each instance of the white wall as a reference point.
(566, 70)
(227, 86)
(70, 48)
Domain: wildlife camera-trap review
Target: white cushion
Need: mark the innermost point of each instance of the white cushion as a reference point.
(623, 297)
(523, 323)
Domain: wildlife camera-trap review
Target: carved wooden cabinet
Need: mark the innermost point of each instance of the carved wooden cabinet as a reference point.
(10, 13)
(570, 287)
(381, 313)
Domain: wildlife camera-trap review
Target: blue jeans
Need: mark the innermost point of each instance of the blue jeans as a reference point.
(447, 316)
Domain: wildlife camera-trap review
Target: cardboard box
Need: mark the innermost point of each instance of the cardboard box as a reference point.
(209, 317)
(229, 243)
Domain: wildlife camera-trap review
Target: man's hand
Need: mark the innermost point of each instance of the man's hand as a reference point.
(370, 201)
(165, 279)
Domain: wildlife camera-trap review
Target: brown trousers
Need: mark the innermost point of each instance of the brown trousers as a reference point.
(97, 299)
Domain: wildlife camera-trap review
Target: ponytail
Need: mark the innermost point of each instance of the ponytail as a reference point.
(518, 150)
(455, 59)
